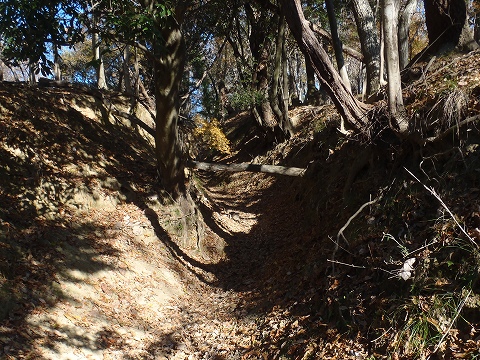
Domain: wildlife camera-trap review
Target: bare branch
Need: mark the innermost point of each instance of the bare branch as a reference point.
(434, 193)
(346, 49)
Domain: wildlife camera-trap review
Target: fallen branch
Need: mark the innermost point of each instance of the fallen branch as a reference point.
(270, 169)
(340, 232)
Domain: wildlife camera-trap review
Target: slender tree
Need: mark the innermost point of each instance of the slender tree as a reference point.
(406, 14)
(369, 43)
(279, 88)
(391, 9)
(337, 43)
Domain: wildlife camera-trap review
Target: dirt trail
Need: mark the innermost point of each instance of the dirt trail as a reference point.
(123, 293)
(90, 267)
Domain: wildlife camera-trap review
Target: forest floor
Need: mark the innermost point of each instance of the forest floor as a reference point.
(95, 264)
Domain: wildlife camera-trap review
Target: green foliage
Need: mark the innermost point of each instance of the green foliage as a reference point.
(209, 100)
(245, 99)
(137, 22)
(28, 27)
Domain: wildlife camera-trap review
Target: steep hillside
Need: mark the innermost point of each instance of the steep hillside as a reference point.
(359, 259)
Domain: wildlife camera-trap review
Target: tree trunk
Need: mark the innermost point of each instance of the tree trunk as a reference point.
(337, 44)
(391, 10)
(32, 79)
(136, 76)
(168, 72)
(100, 68)
(311, 96)
(127, 80)
(280, 107)
(403, 30)
(352, 110)
(57, 73)
(447, 26)
(369, 43)
(259, 46)
(476, 28)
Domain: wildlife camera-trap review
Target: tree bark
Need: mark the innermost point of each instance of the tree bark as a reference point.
(476, 27)
(279, 105)
(127, 80)
(352, 110)
(32, 79)
(168, 72)
(97, 57)
(391, 10)
(337, 44)
(403, 30)
(259, 46)
(369, 43)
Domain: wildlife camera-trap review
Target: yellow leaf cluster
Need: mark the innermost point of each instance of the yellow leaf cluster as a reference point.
(211, 134)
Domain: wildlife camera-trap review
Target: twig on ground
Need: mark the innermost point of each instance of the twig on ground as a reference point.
(458, 310)
(350, 265)
(433, 192)
(340, 232)
(362, 267)
(385, 333)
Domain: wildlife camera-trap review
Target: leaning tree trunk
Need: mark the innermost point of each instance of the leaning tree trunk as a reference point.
(447, 25)
(352, 110)
(369, 43)
(168, 72)
(391, 9)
